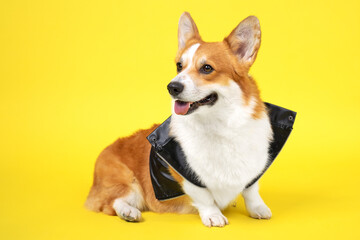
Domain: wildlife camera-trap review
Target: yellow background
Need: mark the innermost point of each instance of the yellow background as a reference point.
(75, 75)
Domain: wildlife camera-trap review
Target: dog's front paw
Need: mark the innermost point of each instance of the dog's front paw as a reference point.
(214, 220)
(260, 211)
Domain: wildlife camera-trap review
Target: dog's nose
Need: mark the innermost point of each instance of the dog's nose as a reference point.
(175, 88)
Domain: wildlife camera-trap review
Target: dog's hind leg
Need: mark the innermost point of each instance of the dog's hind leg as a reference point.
(254, 203)
(116, 190)
(129, 206)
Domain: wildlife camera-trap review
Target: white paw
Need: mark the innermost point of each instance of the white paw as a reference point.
(214, 220)
(129, 213)
(260, 212)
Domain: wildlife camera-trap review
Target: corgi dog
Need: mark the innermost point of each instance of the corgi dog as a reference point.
(218, 119)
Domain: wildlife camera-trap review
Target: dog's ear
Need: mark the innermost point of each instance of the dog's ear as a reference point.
(244, 40)
(187, 30)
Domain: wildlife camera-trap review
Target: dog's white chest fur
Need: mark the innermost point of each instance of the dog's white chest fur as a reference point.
(227, 149)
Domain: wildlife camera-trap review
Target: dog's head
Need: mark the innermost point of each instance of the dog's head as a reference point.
(215, 74)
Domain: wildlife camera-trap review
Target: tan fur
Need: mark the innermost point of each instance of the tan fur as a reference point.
(122, 164)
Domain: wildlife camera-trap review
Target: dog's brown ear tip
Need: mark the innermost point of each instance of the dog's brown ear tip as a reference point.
(253, 17)
(185, 14)
(253, 20)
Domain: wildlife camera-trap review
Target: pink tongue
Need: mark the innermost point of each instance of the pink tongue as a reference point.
(181, 108)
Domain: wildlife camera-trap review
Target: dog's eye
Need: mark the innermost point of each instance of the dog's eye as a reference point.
(206, 69)
(179, 66)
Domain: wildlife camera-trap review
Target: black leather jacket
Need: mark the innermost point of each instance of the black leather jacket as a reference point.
(166, 151)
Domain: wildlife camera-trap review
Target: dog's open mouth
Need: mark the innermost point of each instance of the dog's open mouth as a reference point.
(183, 108)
